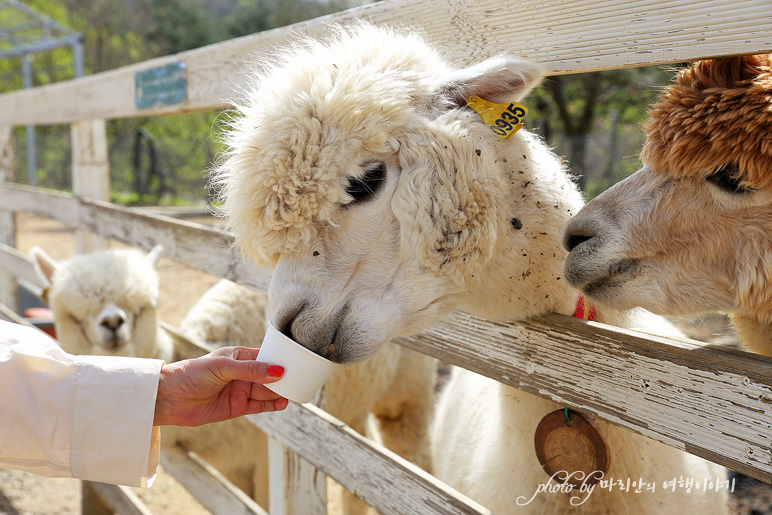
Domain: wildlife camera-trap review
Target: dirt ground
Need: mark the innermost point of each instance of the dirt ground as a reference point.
(27, 494)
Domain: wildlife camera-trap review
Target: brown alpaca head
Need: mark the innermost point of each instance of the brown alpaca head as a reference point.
(691, 231)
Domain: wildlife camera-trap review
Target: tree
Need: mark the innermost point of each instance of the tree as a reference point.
(121, 32)
(581, 102)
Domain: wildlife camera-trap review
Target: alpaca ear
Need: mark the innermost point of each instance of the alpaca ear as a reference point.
(501, 80)
(154, 254)
(45, 266)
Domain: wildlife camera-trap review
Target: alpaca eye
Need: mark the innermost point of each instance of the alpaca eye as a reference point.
(365, 187)
(729, 179)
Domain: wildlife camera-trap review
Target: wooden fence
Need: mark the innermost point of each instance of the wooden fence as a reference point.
(568, 37)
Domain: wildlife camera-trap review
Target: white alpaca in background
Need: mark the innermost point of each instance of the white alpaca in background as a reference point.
(105, 302)
(383, 203)
(227, 314)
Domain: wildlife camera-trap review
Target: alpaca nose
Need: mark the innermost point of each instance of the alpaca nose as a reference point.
(573, 240)
(113, 322)
(580, 229)
(112, 317)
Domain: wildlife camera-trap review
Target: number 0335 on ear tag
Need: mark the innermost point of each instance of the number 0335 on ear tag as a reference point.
(571, 448)
(503, 119)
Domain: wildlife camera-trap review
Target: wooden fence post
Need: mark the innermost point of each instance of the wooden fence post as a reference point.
(8, 291)
(295, 485)
(90, 172)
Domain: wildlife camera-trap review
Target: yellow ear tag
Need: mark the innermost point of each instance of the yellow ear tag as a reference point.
(503, 119)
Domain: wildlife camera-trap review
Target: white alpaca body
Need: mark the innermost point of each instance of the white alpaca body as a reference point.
(384, 203)
(227, 314)
(104, 303)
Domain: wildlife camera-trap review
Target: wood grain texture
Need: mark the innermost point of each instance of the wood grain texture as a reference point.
(711, 402)
(375, 474)
(198, 246)
(90, 173)
(568, 37)
(571, 448)
(296, 486)
(19, 265)
(103, 498)
(206, 484)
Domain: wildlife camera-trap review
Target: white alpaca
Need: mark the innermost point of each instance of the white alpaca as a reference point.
(383, 203)
(105, 302)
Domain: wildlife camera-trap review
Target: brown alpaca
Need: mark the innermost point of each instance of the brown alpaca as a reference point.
(691, 231)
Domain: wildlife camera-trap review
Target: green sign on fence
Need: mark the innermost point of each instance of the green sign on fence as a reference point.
(164, 85)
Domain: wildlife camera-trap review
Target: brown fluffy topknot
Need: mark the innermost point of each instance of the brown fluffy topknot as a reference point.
(719, 111)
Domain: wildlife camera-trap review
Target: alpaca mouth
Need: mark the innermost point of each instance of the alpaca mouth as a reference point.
(112, 342)
(607, 283)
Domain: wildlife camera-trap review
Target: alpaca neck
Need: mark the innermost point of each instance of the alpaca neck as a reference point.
(524, 277)
(755, 334)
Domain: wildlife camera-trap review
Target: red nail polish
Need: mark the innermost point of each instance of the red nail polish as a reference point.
(275, 371)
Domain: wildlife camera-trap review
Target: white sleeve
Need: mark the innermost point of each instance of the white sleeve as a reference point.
(89, 417)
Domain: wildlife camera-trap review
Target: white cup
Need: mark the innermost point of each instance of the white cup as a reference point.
(304, 371)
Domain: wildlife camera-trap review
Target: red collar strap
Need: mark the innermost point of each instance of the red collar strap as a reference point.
(586, 312)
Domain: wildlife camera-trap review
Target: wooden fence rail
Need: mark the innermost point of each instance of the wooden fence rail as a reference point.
(715, 403)
(568, 37)
(692, 397)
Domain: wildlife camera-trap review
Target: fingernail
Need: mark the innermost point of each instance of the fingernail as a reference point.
(275, 370)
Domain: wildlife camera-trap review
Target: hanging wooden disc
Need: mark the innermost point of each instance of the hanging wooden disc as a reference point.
(569, 442)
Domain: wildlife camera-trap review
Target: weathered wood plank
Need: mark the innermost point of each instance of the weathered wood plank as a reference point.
(90, 173)
(207, 484)
(372, 472)
(184, 348)
(18, 264)
(198, 246)
(493, 350)
(568, 37)
(8, 290)
(9, 315)
(119, 499)
(296, 486)
(712, 402)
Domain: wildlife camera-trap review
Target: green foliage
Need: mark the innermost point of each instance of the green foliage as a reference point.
(593, 120)
(121, 32)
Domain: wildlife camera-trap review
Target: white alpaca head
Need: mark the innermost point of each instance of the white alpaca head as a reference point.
(356, 170)
(105, 302)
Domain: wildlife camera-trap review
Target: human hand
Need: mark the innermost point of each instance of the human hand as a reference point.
(221, 385)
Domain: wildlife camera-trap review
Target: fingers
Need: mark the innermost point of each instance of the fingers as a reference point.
(255, 371)
(256, 406)
(245, 353)
(238, 353)
(239, 364)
